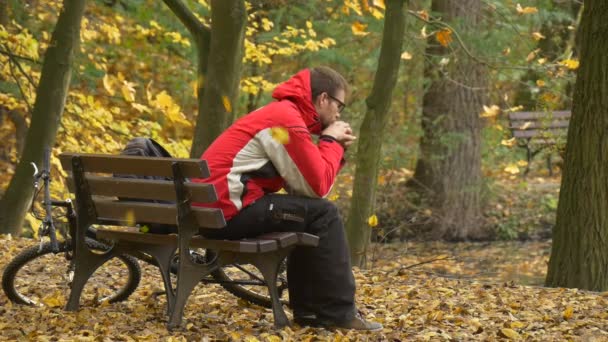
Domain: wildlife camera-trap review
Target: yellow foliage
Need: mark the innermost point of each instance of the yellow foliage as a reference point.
(525, 10)
(444, 37)
(571, 64)
(358, 29)
(227, 104)
(372, 221)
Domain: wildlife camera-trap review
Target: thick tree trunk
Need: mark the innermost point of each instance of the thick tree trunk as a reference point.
(4, 13)
(50, 100)
(216, 109)
(448, 171)
(579, 256)
(372, 129)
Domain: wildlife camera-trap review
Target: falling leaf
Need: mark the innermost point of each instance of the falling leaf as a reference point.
(522, 163)
(567, 314)
(532, 55)
(571, 64)
(130, 218)
(525, 10)
(359, 29)
(423, 14)
(506, 51)
(406, 55)
(372, 221)
(227, 104)
(509, 142)
(512, 169)
(379, 4)
(537, 36)
(489, 112)
(280, 135)
(444, 37)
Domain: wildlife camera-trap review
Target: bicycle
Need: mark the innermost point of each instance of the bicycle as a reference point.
(31, 266)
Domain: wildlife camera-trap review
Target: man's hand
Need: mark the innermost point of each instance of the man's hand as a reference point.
(340, 131)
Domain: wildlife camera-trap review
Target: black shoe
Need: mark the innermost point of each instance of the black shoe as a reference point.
(356, 323)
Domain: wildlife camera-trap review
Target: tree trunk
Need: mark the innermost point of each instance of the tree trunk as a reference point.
(216, 109)
(579, 255)
(4, 13)
(448, 171)
(50, 100)
(372, 129)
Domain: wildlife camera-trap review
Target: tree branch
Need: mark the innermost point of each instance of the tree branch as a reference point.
(184, 14)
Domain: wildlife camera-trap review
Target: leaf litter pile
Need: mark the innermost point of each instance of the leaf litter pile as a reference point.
(419, 291)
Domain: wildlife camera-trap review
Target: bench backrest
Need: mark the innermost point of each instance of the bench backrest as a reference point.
(538, 124)
(101, 188)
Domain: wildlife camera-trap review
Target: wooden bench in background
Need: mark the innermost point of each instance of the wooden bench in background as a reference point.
(97, 193)
(536, 131)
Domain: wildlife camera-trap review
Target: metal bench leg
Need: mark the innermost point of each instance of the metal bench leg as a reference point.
(269, 265)
(549, 164)
(85, 266)
(163, 256)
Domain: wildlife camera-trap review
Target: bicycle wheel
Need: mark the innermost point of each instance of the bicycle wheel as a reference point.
(246, 282)
(37, 276)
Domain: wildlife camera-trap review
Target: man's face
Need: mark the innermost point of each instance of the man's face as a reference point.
(329, 107)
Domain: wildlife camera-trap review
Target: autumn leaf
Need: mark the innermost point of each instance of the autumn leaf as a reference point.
(489, 112)
(525, 10)
(509, 142)
(227, 104)
(108, 84)
(540, 83)
(444, 37)
(359, 29)
(567, 314)
(406, 55)
(509, 333)
(571, 64)
(537, 36)
(130, 218)
(128, 91)
(280, 135)
(372, 221)
(423, 14)
(512, 169)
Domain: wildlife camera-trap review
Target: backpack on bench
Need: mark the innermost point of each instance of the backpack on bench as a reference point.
(148, 147)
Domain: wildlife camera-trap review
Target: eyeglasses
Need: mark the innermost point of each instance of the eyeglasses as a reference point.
(341, 105)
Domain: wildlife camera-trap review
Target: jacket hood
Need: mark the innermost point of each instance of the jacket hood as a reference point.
(297, 90)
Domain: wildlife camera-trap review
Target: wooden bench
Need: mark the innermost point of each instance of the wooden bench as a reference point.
(97, 193)
(536, 131)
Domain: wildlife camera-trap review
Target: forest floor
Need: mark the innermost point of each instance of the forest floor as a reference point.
(419, 291)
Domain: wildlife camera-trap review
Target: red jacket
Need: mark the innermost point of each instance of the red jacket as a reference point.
(271, 148)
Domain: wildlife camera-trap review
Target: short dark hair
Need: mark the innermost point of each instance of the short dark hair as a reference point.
(326, 80)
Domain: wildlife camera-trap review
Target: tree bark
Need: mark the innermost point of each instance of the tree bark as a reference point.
(579, 255)
(219, 99)
(372, 129)
(4, 13)
(448, 170)
(50, 100)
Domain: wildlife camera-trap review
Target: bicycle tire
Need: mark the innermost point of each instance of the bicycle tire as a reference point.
(246, 294)
(32, 253)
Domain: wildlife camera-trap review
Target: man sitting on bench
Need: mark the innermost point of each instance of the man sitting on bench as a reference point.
(271, 148)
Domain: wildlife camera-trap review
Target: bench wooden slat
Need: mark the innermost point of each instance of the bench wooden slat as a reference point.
(539, 115)
(305, 239)
(528, 125)
(120, 235)
(284, 239)
(149, 189)
(127, 213)
(243, 246)
(136, 165)
(539, 134)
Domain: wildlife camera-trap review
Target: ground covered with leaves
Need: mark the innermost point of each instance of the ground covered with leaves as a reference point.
(419, 291)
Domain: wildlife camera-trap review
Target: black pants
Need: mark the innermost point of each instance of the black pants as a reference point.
(320, 278)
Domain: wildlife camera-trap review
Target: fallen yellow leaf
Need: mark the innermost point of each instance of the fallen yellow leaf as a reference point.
(509, 333)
